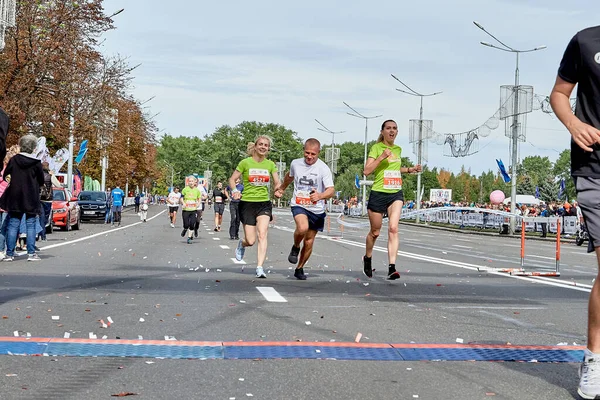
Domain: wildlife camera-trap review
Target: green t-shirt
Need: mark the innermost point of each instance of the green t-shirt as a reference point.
(387, 174)
(191, 198)
(256, 178)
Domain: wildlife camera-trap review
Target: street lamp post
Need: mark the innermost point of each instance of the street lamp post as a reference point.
(356, 114)
(280, 169)
(208, 178)
(515, 131)
(420, 139)
(331, 155)
(172, 173)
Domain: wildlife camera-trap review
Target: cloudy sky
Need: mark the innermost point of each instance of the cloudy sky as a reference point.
(215, 63)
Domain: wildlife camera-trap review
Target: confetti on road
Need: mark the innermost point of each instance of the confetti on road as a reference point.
(142, 320)
(92, 335)
(110, 321)
(459, 340)
(67, 335)
(308, 323)
(149, 362)
(55, 317)
(358, 337)
(124, 394)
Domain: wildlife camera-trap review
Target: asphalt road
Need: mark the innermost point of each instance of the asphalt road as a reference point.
(153, 285)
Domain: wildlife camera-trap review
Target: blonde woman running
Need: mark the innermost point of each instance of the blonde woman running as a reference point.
(256, 210)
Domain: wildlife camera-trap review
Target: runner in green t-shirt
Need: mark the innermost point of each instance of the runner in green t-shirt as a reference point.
(386, 195)
(190, 199)
(255, 204)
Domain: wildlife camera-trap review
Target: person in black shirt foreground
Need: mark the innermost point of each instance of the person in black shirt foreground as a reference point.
(580, 66)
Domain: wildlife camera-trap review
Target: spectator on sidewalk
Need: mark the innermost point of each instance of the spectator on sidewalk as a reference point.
(22, 196)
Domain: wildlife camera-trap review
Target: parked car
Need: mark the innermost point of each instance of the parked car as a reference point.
(92, 205)
(65, 208)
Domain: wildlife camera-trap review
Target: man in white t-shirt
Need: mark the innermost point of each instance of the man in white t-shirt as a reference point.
(173, 203)
(313, 184)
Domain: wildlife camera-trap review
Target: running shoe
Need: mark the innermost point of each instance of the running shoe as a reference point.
(393, 274)
(33, 257)
(183, 232)
(216, 230)
(299, 274)
(293, 257)
(189, 240)
(239, 251)
(367, 269)
(589, 376)
(260, 273)
(172, 225)
(8, 258)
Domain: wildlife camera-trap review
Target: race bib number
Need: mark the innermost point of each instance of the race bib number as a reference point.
(190, 203)
(218, 199)
(258, 177)
(392, 180)
(303, 198)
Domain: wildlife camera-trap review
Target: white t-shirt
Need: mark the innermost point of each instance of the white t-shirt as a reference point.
(204, 194)
(173, 199)
(308, 178)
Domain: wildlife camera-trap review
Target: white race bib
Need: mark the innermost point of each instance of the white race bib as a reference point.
(218, 199)
(303, 198)
(258, 177)
(392, 180)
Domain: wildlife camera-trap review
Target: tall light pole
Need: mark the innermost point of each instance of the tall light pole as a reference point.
(420, 138)
(172, 173)
(515, 131)
(356, 114)
(332, 154)
(209, 175)
(280, 169)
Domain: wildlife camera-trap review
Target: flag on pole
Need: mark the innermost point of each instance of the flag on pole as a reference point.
(357, 182)
(503, 171)
(561, 190)
(537, 192)
(82, 151)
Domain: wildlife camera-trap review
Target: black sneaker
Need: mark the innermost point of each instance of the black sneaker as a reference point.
(367, 269)
(216, 230)
(237, 238)
(183, 232)
(293, 257)
(393, 274)
(299, 274)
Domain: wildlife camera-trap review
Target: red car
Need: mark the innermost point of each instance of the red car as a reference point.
(66, 209)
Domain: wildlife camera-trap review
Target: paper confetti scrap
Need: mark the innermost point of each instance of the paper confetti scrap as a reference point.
(358, 337)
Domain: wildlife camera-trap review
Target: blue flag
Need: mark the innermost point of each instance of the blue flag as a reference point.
(561, 190)
(82, 151)
(503, 171)
(537, 192)
(356, 182)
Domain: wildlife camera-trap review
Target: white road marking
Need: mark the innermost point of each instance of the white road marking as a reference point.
(463, 240)
(462, 247)
(472, 267)
(271, 294)
(216, 238)
(542, 257)
(238, 262)
(492, 308)
(224, 246)
(52, 246)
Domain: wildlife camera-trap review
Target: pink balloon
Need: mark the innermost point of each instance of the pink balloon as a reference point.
(497, 197)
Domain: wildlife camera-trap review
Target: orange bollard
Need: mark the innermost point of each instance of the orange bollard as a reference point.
(558, 245)
(522, 243)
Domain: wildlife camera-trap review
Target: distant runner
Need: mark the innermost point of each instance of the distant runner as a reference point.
(313, 184)
(219, 197)
(173, 202)
(191, 197)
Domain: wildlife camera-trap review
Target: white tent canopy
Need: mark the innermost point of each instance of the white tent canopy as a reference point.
(526, 199)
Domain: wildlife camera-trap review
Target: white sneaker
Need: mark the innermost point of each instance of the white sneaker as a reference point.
(33, 257)
(172, 226)
(239, 251)
(260, 273)
(2, 255)
(589, 376)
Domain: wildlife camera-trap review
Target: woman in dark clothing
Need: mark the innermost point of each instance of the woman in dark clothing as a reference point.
(22, 196)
